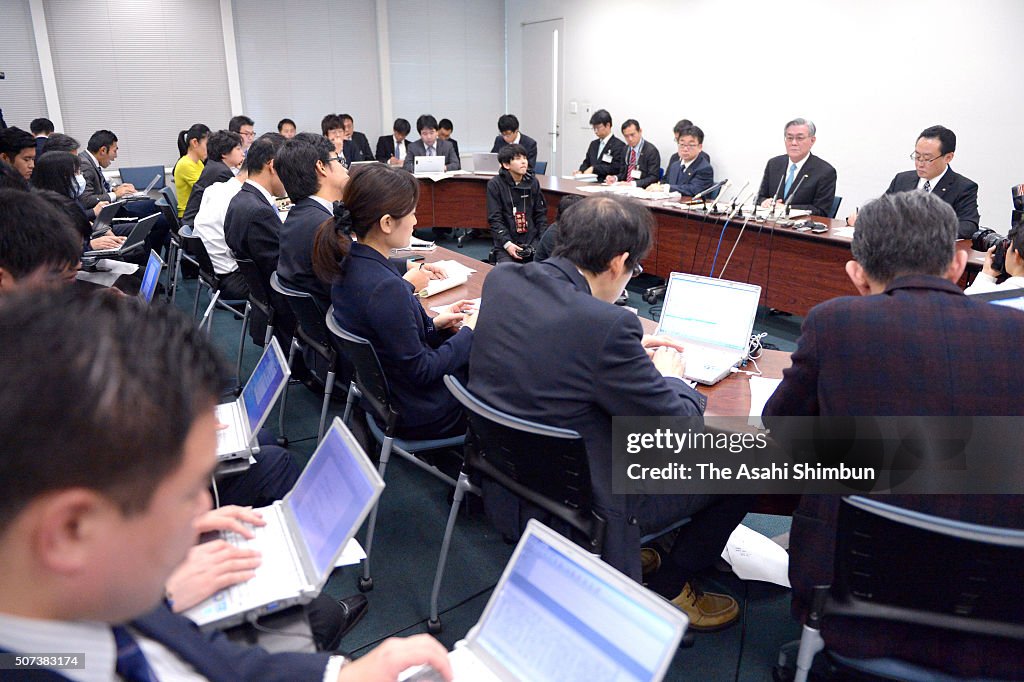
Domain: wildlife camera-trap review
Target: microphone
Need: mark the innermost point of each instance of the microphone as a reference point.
(792, 194)
(710, 189)
(721, 236)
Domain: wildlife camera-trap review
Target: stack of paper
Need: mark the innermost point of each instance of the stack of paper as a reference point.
(458, 274)
(582, 177)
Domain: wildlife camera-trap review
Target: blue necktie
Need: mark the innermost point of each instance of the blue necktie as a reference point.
(131, 662)
(789, 180)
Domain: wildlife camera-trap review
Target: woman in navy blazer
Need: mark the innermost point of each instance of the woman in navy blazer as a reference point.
(373, 300)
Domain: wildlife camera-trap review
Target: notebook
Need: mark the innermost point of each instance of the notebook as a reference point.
(144, 194)
(154, 266)
(428, 164)
(486, 164)
(304, 534)
(713, 318)
(135, 239)
(560, 613)
(245, 416)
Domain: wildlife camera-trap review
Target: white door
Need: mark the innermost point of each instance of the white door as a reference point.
(541, 117)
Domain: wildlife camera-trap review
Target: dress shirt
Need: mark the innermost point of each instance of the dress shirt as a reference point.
(264, 191)
(600, 147)
(934, 181)
(209, 224)
(323, 202)
(112, 195)
(984, 283)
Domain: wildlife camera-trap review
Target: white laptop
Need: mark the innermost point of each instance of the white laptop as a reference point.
(560, 613)
(713, 318)
(154, 266)
(245, 416)
(486, 164)
(144, 194)
(428, 164)
(134, 240)
(304, 534)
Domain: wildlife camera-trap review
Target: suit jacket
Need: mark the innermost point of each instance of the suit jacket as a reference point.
(386, 147)
(528, 143)
(95, 192)
(614, 147)
(213, 172)
(361, 147)
(441, 147)
(526, 361)
(40, 141)
(649, 165)
(295, 264)
(959, 192)
(815, 194)
(455, 145)
(252, 229)
(696, 177)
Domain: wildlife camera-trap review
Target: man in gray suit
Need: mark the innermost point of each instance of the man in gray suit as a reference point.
(429, 145)
(100, 153)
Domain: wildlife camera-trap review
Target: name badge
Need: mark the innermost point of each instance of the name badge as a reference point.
(637, 174)
(607, 158)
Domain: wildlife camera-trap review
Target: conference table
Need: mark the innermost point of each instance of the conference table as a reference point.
(796, 270)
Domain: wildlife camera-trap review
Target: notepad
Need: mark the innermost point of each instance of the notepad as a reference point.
(436, 286)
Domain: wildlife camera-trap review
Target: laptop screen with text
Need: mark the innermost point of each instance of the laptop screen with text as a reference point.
(261, 389)
(710, 311)
(150, 277)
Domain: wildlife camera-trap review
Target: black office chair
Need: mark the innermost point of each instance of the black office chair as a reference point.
(835, 207)
(371, 386)
(141, 176)
(259, 295)
(540, 168)
(897, 565)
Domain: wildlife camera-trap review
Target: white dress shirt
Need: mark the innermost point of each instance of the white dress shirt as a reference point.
(209, 224)
(934, 181)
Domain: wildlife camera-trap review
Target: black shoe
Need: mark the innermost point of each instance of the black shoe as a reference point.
(331, 620)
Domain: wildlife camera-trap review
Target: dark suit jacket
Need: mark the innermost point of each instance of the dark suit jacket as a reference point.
(213, 172)
(615, 147)
(526, 361)
(295, 264)
(455, 144)
(817, 191)
(527, 142)
(959, 192)
(252, 229)
(441, 147)
(697, 177)
(40, 141)
(361, 147)
(386, 147)
(920, 348)
(95, 192)
(649, 165)
(372, 300)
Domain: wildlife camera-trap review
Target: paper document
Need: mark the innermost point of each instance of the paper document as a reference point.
(438, 177)
(436, 286)
(104, 278)
(352, 554)
(843, 232)
(582, 177)
(760, 390)
(474, 304)
(755, 557)
(416, 244)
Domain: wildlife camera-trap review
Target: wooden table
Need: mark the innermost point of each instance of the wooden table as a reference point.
(795, 270)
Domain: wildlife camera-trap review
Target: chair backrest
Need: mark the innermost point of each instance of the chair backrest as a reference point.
(369, 375)
(170, 214)
(195, 247)
(835, 206)
(312, 329)
(141, 176)
(899, 565)
(540, 167)
(544, 465)
(258, 290)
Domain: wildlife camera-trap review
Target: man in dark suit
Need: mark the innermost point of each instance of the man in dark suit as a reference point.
(798, 177)
(526, 361)
(444, 132)
(360, 145)
(911, 344)
(18, 148)
(41, 128)
(252, 227)
(223, 152)
(430, 145)
(691, 171)
(932, 155)
(508, 126)
(604, 155)
(101, 151)
(89, 534)
(392, 149)
(677, 130)
(641, 162)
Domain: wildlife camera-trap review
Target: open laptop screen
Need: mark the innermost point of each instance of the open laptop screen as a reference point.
(330, 498)
(150, 277)
(709, 311)
(556, 620)
(261, 389)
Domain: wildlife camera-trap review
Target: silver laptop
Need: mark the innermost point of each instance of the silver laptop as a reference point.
(154, 266)
(713, 318)
(428, 164)
(486, 164)
(105, 219)
(144, 194)
(134, 240)
(560, 613)
(304, 534)
(245, 416)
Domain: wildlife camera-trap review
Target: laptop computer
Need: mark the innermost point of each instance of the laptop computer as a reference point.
(105, 219)
(486, 164)
(304, 534)
(134, 240)
(154, 266)
(1010, 298)
(428, 164)
(560, 613)
(713, 318)
(245, 416)
(143, 194)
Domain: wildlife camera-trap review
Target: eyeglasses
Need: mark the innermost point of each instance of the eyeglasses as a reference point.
(915, 157)
(797, 138)
(687, 145)
(637, 270)
(252, 134)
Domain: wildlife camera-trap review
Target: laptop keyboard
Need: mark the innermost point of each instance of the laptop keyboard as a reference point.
(277, 568)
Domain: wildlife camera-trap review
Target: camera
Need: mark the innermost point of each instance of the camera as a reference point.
(984, 239)
(526, 253)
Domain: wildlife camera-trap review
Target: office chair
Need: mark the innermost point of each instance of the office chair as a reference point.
(174, 251)
(259, 295)
(902, 566)
(141, 176)
(539, 168)
(370, 385)
(835, 207)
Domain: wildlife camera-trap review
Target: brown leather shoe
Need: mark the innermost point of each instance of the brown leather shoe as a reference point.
(650, 561)
(707, 611)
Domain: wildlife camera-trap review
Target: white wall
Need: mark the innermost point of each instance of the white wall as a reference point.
(21, 91)
(871, 74)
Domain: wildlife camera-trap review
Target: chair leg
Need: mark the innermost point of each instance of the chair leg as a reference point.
(350, 400)
(195, 306)
(366, 582)
(176, 277)
(241, 346)
(434, 623)
(328, 390)
(269, 335)
(282, 440)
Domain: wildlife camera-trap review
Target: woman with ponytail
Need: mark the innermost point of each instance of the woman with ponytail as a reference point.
(192, 152)
(373, 300)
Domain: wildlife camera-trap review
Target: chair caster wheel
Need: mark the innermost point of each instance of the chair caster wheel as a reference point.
(282, 441)
(434, 626)
(365, 584)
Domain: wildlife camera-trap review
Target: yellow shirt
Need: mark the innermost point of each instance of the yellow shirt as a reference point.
(186, 172)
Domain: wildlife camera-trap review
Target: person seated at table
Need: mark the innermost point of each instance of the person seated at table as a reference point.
(604, 155)
(245, 127)
(444, 132)
(516, 211)
(392, 149)
(59, 142)
(804, 180)
(100, 152)
(62, 173)
(333, 128)
(18, 148)
(372, 300)
(549, 240)
(39, 248)
(360, 145)
(641, 161)
(529, 359)
(192, 156)
(429, 144)
(987, 279)
(287, 128)
(691, 172)
(223, 157)
(508, 127)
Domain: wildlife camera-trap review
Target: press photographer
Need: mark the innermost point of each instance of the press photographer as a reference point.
(1003, 258)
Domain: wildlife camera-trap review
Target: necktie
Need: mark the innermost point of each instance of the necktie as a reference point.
(632, 165)
(103, 178)
(399, 149)
(131, 662)
(430, 151)
(789, 179)
(600, 148)
(927, 186)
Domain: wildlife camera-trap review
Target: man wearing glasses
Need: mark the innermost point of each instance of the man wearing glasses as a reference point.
(932, 173)
(605, 154)
(245, 127)
(691, 172)
(798, 177)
